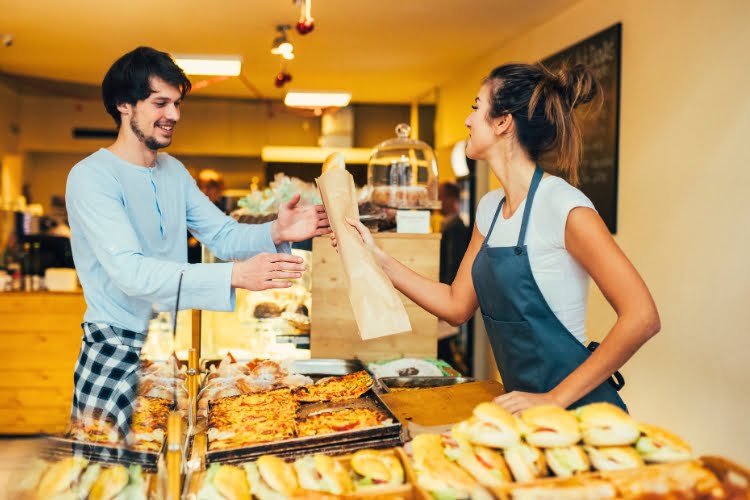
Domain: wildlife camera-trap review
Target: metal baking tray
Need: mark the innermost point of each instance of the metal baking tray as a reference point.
(57, 447)
(391, 384)
(335, 443)
(310, 367)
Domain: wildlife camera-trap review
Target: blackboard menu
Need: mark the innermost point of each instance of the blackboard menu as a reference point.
(598, 179)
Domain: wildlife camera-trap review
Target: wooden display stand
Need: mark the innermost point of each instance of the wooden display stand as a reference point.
(334, 332)
(41, 336)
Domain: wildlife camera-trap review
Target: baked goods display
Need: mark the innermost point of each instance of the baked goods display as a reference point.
(147, 430)
(275, 415)
(247, 419)
(596, 451)
(231, 378)
(402, 197)
(368, 472)
(76, 477)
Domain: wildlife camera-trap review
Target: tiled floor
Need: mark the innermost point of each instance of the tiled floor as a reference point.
(15, 453)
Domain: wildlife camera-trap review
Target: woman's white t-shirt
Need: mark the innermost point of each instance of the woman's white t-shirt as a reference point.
(562, 281)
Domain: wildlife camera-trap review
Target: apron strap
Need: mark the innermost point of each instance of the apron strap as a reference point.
(616, 380)
(494, 219)
(538, 173)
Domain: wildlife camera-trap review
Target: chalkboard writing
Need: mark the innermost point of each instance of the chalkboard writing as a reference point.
(601, 53)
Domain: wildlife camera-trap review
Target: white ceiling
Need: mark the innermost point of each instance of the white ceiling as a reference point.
(381, 51)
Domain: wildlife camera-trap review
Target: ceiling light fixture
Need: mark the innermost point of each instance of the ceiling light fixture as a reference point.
(306, 99)
(210, 65)
(281, 44)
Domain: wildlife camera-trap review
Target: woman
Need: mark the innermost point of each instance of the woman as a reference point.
(535, 244)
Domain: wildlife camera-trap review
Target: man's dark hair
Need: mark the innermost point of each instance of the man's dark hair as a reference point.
(451, 190)
(129, 78)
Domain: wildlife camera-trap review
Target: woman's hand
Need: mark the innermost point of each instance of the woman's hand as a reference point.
(296, 223)
(366, 236)
(517, 401)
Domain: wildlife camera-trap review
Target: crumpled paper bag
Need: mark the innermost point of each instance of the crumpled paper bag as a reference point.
(377, 307)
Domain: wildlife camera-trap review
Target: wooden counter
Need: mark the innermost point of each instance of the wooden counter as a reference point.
(334, 332)
(41, 337)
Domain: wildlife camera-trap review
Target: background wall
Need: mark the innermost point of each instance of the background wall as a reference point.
(683, 214)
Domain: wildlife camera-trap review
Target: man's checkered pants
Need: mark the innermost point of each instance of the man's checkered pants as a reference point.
(106, 374)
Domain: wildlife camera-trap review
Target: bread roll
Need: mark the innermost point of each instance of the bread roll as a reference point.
(614, 458)
(484, 464)
(659, 445)
(277, 474)
(567, 461)
(59, 476)
(549, 426)
(491, 426)
(110, 482)
(526, 462)
(383, 467)
(604, 424)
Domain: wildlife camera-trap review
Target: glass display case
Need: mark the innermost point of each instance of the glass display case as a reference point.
(403, 173)
(267, 324)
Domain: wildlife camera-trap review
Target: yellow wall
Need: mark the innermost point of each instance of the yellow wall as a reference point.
(683, 189)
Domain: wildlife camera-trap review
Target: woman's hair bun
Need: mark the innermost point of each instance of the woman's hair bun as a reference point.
(576, 84)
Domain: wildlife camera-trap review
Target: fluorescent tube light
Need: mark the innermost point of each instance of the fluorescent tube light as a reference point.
(210, 65)
(296, 154)
(303, 99)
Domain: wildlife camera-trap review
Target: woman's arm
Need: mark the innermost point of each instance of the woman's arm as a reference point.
(453, 303)
(591, 244)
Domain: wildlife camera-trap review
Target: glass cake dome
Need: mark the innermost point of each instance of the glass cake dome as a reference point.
(403, 172)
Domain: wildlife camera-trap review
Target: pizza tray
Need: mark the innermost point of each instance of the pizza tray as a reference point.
(388, 435)
(394, 384)
(313, 368)
(58, 447)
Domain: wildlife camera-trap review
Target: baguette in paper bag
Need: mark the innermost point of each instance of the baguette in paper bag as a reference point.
(377, 306)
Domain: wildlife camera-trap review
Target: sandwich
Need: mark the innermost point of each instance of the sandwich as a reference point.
(604, 424)
(61, 476)
(436, 473)
(659, 445)
(271, 478)
(549, 426)
(322, 473)
(680, 480)
(564, 489)
(614, 458)
(110, 482)
(567, 461)
(28, 481)
(376, 468)
(526, 462)
(485, 464)
(224, 482)
(491, 425)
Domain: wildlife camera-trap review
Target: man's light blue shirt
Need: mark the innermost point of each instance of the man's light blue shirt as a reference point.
(129, 226)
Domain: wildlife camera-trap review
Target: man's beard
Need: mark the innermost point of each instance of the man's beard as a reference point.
(150, 142)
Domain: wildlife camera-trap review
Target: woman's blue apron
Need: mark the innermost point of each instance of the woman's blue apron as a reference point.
(533, 350)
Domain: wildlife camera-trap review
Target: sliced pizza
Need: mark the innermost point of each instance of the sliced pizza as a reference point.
(348, 419)
(340, 388)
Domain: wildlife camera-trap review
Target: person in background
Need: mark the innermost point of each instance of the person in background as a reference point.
(130, 208)
(536, 243)
(453, 243)
(211, 183)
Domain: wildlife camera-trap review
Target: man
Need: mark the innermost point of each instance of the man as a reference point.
(211, 183)
(453, 244)
(130, 209)
(455, 234)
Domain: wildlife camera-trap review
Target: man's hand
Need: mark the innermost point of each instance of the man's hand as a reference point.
(259, 272)
(299, 223)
